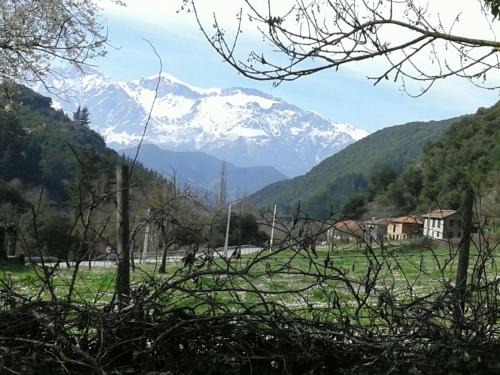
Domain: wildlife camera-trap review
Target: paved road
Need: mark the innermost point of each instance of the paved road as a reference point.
(152, 259)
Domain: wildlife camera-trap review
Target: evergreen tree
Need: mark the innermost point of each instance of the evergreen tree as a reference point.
(84, 117)
(81, 116)
(77, 114)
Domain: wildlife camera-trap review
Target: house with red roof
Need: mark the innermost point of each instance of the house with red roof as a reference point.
(404, 227)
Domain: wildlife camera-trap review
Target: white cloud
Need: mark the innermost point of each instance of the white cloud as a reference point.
(167, 15)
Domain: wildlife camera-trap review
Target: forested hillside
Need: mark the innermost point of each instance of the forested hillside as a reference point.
(58, 173)
(328, 186)
(468, 154)
(42, 147)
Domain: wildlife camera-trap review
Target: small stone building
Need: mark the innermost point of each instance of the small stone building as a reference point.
(376, 228)
(404, 227)
(346, 231)
(443, 225)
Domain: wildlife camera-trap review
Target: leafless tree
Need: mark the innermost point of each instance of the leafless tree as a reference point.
(36, 33)
(407, 37)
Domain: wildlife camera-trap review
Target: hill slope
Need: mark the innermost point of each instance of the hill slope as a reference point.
(469, 153)
(201, 170)
(38, 146)
(328, 185)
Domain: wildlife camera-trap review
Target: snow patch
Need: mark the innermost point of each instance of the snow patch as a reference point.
(355, 133)
(190, 118)
(240, 131)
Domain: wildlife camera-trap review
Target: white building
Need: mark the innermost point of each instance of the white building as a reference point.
(443, 225)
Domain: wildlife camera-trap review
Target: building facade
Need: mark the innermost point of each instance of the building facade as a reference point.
(404, 227)
(443, 225)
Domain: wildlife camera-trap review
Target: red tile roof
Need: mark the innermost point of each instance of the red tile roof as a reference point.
(348, 226)
(379, 221)
(410, 219)
(440, 214)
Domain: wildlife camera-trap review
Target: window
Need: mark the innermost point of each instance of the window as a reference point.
(451, 223)
(459, 234)
(393, 228)
(439, 223)
(450, 234)
(433, 223)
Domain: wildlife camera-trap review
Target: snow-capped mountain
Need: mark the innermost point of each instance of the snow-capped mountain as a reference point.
(243, 126)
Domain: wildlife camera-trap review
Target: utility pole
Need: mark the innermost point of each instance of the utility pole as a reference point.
(122, 216)
(226, 241)
(272, 230)
(463, 260)
(221, 201)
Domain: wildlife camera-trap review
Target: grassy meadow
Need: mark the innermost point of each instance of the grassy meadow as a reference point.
(295, 280)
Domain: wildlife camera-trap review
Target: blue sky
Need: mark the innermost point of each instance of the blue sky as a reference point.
(345, 96)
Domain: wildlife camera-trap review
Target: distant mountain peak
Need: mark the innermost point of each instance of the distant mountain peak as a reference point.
(244, 126)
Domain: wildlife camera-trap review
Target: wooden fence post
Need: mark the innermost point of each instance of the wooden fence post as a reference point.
(226, 240)
(11, 231)
(463, 260)
(271, 240)
(122, 216)
(146, 237)
(3, 252)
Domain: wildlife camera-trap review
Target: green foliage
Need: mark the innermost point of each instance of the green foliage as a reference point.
(81, 116)
(328, 186)
(42, 148)
(450, 154)
(19, 154)
(38, 144)
(11, 195)
(467, 154)
(382, 176)
(333, 198)
(243, 230)
(355, 206)
(54, 235)
(404, 193)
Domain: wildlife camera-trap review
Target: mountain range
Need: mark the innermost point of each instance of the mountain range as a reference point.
(246, 127)
(202, 171)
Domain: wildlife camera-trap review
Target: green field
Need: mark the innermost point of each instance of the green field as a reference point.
(294, 280)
